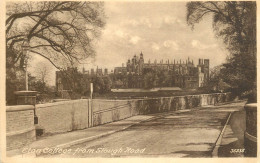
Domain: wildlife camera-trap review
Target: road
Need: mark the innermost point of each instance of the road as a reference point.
(174, 134)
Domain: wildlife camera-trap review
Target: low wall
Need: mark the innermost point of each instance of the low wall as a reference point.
(20, 129)
(106, 111)
(163, 104)
(72, 115)
(63, 116)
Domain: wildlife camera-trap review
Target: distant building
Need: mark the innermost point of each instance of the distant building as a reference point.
(184, 74)
(120, 70)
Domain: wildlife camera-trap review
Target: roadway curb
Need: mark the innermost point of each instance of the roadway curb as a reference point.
(218, 142)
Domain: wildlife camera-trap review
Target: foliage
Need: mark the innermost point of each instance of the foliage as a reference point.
(235, 23)
(79, 83)
(98, 84)
(14, 81)
(107, 84)
(164, 78)
(150, 80)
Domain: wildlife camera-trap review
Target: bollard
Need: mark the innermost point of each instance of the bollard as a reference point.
(250, 139)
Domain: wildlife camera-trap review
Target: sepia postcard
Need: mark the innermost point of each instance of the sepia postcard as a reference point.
(160, 81)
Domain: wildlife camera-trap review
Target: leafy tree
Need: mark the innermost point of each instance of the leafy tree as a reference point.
(235, 23)
(107, 84)
(216, 83)
(150, 80)
(72, 79)
(118, 83)
(164, 78)
(98, 84)
(85, 85)
(14, 81)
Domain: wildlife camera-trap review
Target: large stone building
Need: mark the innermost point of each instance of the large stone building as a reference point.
(184, 74)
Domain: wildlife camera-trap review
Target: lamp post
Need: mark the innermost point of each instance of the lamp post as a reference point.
(25, 50)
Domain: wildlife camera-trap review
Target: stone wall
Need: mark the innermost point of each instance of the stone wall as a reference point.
(101, 104)
(106, 111)
(72, 115)
(20, 129)
(163, 104)
(63, 116)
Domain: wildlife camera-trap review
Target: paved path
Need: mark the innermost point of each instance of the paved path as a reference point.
(175, 134)
(60, 141)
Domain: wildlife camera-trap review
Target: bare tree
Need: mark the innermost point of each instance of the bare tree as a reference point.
(58, 31)
(42, 72)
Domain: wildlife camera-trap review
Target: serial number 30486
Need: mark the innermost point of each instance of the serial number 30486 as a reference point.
(237, 150)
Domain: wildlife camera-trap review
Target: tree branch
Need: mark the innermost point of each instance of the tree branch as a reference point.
(46, 58)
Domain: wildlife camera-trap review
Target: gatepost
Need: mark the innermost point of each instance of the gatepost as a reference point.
(27, 98)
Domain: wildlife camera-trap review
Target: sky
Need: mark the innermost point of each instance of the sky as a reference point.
(157, 29)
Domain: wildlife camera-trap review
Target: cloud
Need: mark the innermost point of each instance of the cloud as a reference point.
(171, 44)
(121, 34)
(197, 44)
(127, 37)
(155, 46)
(134, 39)
(171, 20)
(137, 22)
